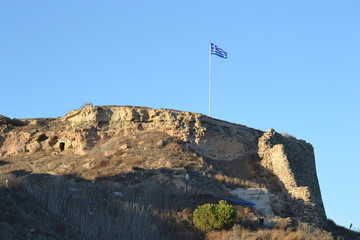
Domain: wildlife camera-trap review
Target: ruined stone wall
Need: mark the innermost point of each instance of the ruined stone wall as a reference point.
(293, 162)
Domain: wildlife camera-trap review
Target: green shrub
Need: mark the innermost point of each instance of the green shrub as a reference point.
(214, 216)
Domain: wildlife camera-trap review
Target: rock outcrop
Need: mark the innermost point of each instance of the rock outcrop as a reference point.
(290, 161)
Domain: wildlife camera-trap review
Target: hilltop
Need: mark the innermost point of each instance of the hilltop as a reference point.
(109, 171)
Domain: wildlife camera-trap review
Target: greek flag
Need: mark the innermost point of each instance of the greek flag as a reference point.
(218, 51)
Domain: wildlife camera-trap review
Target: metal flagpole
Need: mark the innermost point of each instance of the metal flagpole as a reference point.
(210, 81)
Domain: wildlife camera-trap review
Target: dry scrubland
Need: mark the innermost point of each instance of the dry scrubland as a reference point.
(53, 207)
(89, 176)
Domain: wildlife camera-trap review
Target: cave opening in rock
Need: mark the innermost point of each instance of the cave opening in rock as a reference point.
(42, 138)
(62, 146)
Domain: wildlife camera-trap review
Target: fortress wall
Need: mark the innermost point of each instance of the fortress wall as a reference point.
(293, 162)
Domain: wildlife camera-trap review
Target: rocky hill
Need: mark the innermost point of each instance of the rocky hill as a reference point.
(111, 156)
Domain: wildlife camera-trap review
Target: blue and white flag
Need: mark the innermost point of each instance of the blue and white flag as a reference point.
(218, 51)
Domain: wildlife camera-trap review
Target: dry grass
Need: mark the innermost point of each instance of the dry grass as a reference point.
(237, 232)
(282, 224)
(143, 213)
(67, 209)
(21, 215)
(86, 104)
(303, 231)
(242, 211)
(81, 210)
(287, 135)
(236, 181)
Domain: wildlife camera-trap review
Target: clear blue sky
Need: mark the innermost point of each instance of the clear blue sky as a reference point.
(292, 65)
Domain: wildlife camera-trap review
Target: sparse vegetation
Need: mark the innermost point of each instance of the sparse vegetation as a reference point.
(98, 213)
(73, 208)
(236, 181)
(341, 233)
(87, 104)
(214, 216)
(287, 135)
(101, 210)
(303, 231)
(282, 224)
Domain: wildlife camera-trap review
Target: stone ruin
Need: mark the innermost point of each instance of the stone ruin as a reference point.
(288, 162)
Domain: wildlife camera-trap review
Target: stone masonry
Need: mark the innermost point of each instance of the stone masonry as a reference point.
(293, 162)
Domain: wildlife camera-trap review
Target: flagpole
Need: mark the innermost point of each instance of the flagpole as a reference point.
(210, 80)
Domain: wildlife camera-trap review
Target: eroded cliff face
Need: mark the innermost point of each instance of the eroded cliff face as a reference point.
(79, 130)
(291, 162)
(198, 130)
